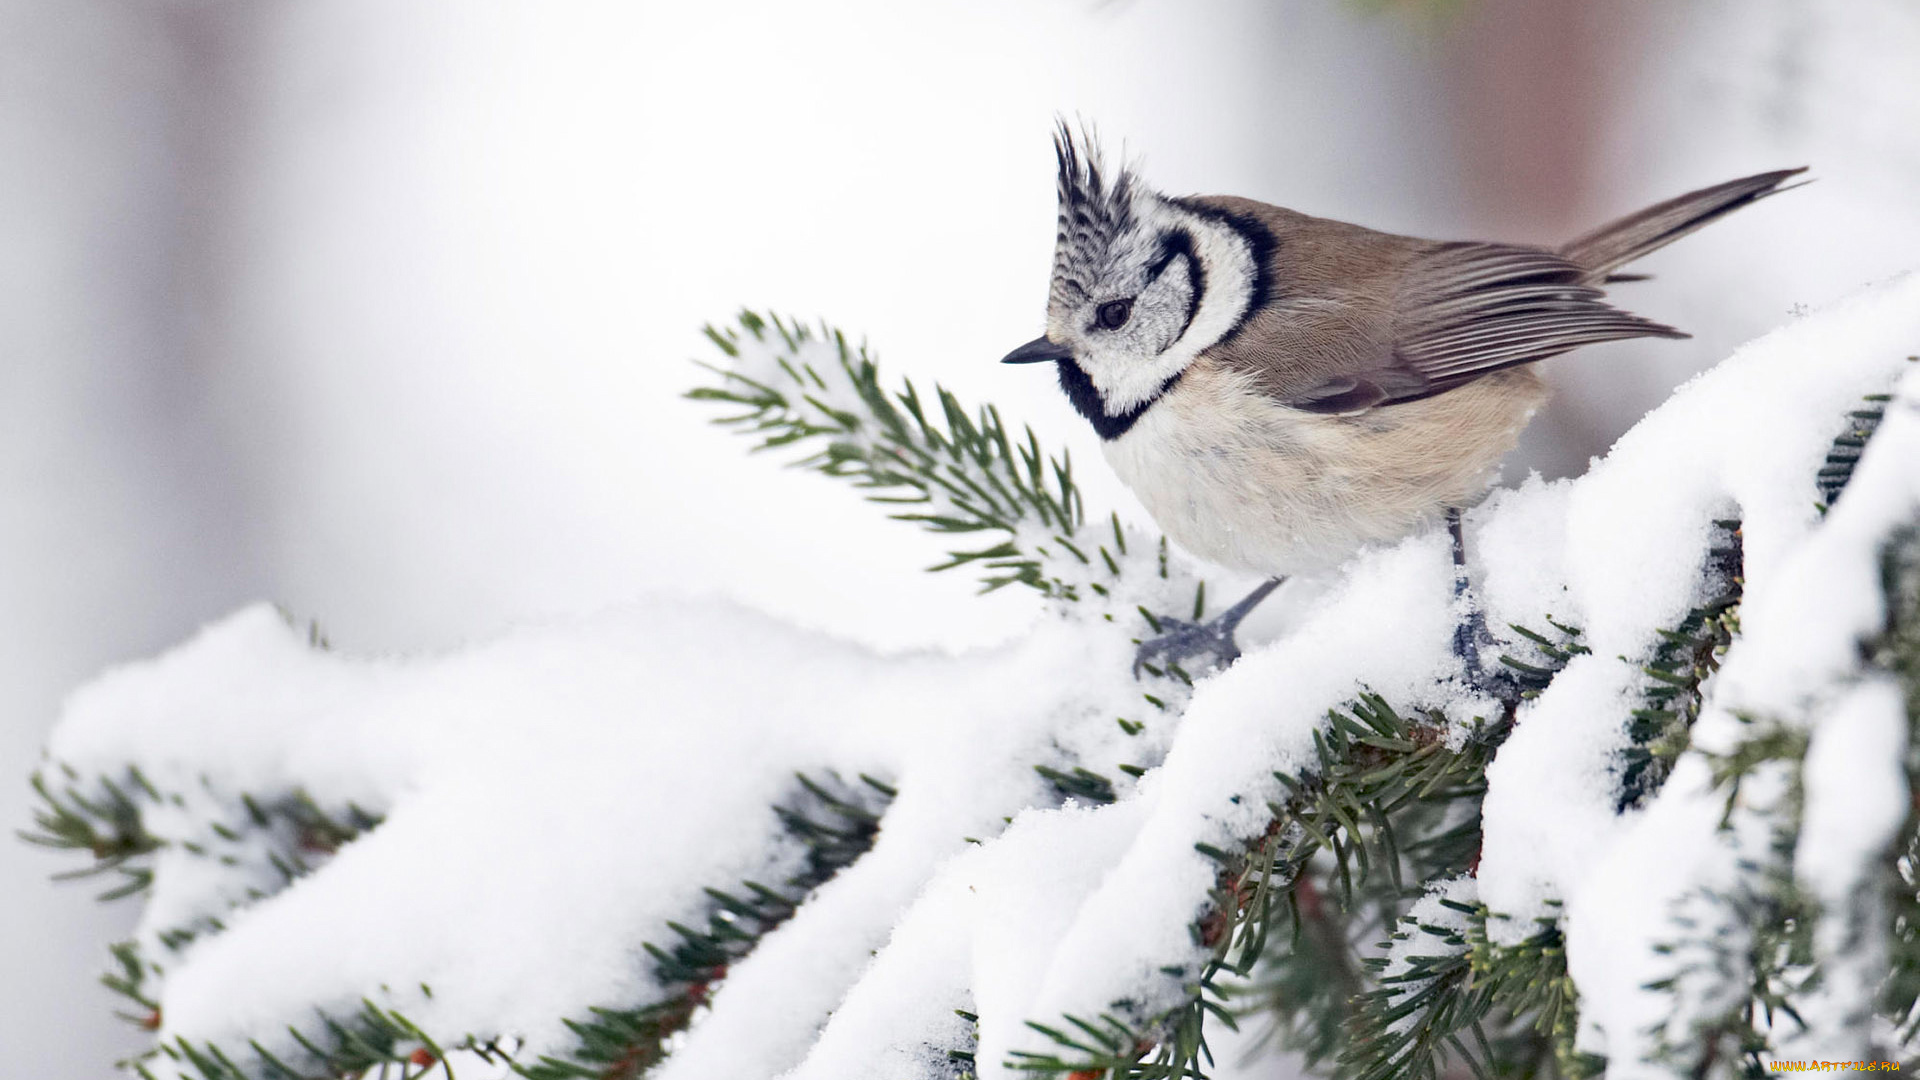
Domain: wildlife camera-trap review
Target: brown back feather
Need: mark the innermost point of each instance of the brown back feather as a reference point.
(1356, 318)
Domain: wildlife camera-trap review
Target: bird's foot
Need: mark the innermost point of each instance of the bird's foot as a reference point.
(1180, 642)
(1177, 641)
(1470, 634)
(1470, 638)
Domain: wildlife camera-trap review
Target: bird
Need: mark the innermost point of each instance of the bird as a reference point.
(1281, 390)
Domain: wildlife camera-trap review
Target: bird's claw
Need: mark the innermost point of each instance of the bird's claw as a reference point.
(1180, 641)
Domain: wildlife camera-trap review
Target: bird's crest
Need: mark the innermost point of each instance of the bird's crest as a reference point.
(1096, 208)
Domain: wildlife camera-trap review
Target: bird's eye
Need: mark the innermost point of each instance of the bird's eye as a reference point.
(1115, 313)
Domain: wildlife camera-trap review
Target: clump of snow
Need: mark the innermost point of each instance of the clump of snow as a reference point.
(561, 794)
(978, 939)
(1856, 798)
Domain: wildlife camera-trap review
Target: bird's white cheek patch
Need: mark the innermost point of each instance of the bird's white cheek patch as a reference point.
(1227, 274)
(1128, 382)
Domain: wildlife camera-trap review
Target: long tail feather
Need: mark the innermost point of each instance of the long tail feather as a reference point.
(1620, 242)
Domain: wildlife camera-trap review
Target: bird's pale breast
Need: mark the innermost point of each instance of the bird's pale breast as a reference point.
(1242, 481)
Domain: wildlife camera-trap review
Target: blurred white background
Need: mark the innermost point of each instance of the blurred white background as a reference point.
(382, 309)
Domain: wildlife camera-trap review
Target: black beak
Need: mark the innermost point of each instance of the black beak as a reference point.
(1039, 350)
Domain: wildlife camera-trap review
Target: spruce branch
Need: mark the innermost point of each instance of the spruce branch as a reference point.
(368, 1042)
(1424, 1005)
(1378, 808)
(105, 824)
(832, 821)
(952, 470)
(280, 838)
(1529, 983)
(1847, 447)
(1747, 955)
(1553, 650)
(1388, 806)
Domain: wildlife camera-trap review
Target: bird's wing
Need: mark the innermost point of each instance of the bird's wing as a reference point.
(1463, 310)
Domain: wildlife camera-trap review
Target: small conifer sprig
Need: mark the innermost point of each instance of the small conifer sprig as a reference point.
(105, 823)
(954, 471)
(1424, 1003)
(1686, 656)
(286, 836)
(367, 1043)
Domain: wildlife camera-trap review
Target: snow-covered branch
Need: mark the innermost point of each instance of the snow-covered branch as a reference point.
(685, 841)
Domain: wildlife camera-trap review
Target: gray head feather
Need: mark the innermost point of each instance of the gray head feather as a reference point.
(1094, 212)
